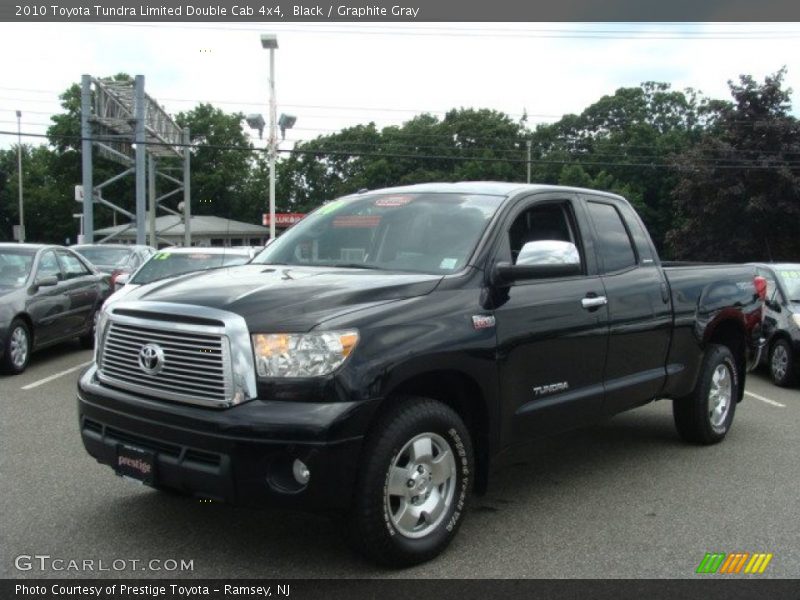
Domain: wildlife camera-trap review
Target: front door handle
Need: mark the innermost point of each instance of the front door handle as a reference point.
(591, 302)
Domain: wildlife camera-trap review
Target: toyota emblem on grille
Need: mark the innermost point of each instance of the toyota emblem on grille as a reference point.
(151, 359)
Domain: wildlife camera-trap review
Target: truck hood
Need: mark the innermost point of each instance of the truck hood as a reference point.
(275, 298)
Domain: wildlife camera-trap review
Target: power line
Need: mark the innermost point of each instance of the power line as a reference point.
(659, 150)
(372, 109)
(326, 152)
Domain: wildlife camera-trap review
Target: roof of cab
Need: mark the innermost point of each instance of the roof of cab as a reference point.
(491, 188)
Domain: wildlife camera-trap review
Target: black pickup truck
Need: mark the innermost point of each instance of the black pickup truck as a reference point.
(381, 356)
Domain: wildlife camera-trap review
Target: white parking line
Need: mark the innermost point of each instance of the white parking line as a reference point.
(767, 400)
(30, 386)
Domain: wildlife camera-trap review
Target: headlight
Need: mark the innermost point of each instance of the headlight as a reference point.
(796, 319)
(302, 354)
(101, 320)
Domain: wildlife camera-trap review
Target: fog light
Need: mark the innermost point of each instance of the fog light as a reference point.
(300, 472)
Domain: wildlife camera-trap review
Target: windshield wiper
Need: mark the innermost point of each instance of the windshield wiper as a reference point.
(349, 266)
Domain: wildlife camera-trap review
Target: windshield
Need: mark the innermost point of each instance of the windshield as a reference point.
(168, 264)
(790, 278)
(99, 255)
(15, 266)
(425, 233)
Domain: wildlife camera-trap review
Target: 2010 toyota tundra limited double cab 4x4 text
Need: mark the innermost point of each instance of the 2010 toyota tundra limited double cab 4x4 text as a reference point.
(383, 354)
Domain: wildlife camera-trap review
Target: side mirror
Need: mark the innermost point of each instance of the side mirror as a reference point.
(121, 280)
(47, 281)
(539, 260)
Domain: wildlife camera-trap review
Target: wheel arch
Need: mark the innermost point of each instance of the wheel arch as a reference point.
(731, 334)
(29, 322)
(463, 394)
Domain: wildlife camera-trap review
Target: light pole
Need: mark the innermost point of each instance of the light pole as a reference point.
(270, 41)
(19, 171)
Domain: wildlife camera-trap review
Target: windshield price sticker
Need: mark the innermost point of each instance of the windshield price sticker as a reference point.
(393, 201)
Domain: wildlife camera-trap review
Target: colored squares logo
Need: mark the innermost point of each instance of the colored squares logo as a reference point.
(734, 563)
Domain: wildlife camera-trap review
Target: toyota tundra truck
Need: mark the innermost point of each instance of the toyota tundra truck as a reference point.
(383, 355)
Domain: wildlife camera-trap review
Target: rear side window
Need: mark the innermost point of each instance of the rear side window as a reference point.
(638, 233)
(613, 242)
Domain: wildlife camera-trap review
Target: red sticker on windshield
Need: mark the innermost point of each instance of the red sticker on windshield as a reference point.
(390, 201)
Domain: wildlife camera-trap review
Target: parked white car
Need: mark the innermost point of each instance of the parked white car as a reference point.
(172, 262)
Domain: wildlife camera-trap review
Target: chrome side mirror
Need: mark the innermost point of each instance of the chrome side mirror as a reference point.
(539, 260)
(549, 252)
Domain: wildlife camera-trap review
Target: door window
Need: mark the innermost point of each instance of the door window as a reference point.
(71, 266)
(614, 243)
(551, 221)
(48, 266)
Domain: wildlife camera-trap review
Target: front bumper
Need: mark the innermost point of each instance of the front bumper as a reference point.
(241, 455)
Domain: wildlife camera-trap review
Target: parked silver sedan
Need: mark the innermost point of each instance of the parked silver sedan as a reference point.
(48, 294)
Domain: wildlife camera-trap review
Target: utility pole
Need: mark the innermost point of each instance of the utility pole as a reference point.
(141, 159)
(528, 144)
(187, 190)
(151, 192)
(21, 237)
(87, 180)
(269, 42)
(273, 142)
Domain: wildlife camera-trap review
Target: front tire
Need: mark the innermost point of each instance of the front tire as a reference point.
(705, 416)
(414, 483)
(782, 368)
(17, 353)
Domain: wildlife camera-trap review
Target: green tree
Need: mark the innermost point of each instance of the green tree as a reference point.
(745, 205)
(467, 144)
(221, 163)
(48, 212)
(624, 143)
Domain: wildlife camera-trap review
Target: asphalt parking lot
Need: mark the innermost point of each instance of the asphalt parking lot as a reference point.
(623, 499)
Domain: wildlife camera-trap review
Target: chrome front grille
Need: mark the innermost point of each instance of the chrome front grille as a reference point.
(167, 360)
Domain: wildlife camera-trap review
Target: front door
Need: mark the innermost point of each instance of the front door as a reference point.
(80, 287)
(551, 347)
(48, 304)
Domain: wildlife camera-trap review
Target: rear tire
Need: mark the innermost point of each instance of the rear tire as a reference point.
(782, 367)
(17, 352)
(705, 416)
(414, 484)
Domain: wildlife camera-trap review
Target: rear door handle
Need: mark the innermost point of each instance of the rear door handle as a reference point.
(594, 302)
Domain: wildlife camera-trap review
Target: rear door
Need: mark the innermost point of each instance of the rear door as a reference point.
(551, 349)
(639, 309)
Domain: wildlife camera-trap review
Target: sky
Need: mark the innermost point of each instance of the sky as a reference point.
(334, 75)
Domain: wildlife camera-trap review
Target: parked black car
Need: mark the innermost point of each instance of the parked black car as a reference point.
(382, 355)
(115, 259)
(48, 294)
(782, 321)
